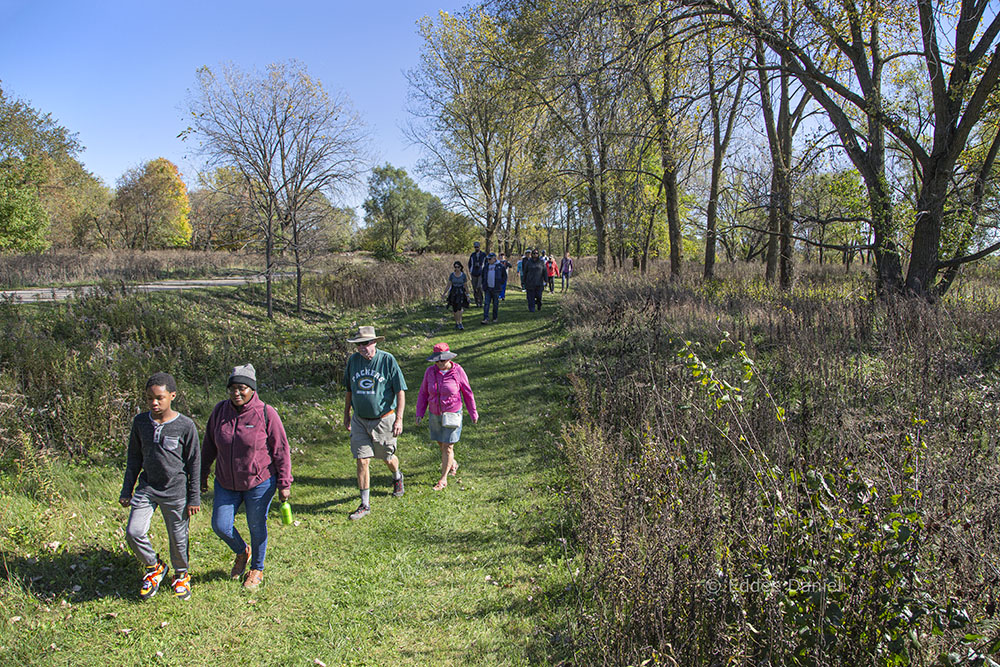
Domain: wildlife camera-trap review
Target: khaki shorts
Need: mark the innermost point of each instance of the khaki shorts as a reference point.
(373, 438)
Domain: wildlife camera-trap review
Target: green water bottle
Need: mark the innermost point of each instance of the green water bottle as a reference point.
(286, 513)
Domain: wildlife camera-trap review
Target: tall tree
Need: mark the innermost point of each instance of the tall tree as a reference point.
(47, 194)
(152, 207)
(725, 105)
(470, 115)
(396, 208)
(288, 139)
(221, 218)
(850, 85)
(322, 150)
(23, 221)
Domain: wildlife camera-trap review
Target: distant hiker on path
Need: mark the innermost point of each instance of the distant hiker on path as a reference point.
(247, 441)
(494, 282)
(534, 280)
(502, 261)
(458, 297)
(565, 271)
(477, 260)
(551, 271)
(376, 393)
(443, 390)
(163, 455)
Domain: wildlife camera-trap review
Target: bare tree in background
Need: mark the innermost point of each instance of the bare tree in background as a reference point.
(290, 141)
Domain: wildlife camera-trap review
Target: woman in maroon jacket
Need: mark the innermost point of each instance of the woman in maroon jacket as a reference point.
(247, 441)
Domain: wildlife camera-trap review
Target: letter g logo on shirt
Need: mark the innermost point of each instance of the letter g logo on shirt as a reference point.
(366, 384)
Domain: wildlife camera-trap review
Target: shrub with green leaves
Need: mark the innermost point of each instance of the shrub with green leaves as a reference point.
(799, 478)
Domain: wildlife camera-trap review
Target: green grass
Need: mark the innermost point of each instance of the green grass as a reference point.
(480, 573)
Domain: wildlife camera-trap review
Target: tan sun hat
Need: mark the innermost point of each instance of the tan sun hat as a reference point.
(364, 335)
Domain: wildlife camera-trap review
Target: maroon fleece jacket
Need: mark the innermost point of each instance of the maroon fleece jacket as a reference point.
(246, 451)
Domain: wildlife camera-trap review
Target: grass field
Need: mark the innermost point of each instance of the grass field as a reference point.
(480, 573)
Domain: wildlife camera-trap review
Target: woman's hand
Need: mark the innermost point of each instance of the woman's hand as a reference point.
(284, 494)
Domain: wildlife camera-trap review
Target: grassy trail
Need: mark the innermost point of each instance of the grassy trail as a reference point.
(476, 574)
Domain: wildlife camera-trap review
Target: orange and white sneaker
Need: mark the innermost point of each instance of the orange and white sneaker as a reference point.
(151, 582)
(181, 585)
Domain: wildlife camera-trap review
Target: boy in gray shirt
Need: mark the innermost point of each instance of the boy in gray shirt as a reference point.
(164, 456)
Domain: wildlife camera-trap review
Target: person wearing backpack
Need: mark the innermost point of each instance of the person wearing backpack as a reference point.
(246, 440)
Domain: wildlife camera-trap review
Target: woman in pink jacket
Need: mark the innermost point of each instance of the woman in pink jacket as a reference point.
(444, 388)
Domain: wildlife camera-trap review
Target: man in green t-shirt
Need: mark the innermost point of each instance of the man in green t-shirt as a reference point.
(376, 392)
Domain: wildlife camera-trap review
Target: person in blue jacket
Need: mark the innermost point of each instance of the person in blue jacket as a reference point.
(494, 283)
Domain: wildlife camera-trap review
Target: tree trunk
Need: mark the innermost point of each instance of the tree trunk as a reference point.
(712, 213)
(774, 232)
(268, 271)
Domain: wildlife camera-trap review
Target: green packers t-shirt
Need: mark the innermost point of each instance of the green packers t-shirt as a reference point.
(373, 384)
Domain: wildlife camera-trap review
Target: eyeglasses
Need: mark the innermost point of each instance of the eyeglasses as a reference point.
(366, 343)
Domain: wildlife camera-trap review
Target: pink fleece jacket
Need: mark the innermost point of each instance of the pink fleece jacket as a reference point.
(444, 392)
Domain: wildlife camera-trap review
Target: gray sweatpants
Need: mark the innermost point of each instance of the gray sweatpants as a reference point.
(137, 531)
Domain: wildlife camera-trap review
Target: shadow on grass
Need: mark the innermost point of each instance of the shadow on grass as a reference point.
(80, 576)
(342, 489)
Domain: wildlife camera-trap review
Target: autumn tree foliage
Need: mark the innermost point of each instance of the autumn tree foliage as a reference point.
(47, 198)
(150, 208)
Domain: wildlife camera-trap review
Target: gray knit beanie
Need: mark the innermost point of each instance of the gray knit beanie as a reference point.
(243, 375)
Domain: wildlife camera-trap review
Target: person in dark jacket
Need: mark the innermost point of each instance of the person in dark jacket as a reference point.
(534, 280)
(477, 260)
(163, 456)
(246, 440)
(494, 284)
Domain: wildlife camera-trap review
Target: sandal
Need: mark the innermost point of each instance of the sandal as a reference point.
(453, 469)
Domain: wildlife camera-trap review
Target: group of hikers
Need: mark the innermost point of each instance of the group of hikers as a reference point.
(489, 277)
(167, 466)
(245, 439)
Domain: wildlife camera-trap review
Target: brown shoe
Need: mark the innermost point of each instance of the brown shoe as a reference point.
(254, 579)
(240, 564)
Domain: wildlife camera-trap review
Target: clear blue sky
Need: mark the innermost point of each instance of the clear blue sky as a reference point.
(117, 72)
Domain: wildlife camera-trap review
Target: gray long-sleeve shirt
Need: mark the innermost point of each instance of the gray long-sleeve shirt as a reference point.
(166, 458)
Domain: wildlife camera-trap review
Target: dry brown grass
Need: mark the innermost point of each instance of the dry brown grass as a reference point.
(861, 456)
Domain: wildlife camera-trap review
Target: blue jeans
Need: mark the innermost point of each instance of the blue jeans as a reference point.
(258, 502)
(490, 296)
(534, 298)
